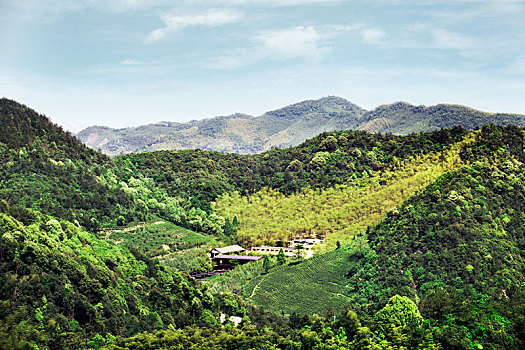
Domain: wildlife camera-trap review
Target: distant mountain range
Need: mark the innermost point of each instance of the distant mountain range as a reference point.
(288, 126)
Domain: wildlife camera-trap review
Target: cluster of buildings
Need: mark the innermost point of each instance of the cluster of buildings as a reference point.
(226, 257)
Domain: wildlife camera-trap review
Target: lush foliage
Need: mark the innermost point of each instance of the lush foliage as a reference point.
(324, 161)
(37, 157)
(43, 168)
(170, 244)
(341, 331)
(431, 225)
(339, 212)
(461, 239)
(61, 286)
(292, 288)
(456, 249)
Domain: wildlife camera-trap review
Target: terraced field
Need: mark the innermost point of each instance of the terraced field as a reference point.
(316, 285)
(171, 244)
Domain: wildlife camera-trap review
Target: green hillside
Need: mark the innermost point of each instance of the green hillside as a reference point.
(335, 213)
(321, 162)
(170, 244)
(61, 287)
(38, 157)
(456, 249)
(317, 285)
(46, 169)
(429, 230)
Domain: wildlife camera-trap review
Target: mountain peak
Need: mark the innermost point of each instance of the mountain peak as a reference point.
(289, 126)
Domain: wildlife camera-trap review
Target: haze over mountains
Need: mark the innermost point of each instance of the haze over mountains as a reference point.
(288, 126)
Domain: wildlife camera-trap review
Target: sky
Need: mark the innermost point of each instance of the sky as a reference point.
(131, 62)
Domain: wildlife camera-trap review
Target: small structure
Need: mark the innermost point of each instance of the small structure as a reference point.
(225, 250)
(226, 261)
(236, 320)
(273, 250)
(308, 245)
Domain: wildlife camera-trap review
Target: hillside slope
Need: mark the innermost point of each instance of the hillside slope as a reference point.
(46, 169)
(288, 126)
(402, 118)
(62, 288)
(239, 133)
(42, 167)
(456, 248)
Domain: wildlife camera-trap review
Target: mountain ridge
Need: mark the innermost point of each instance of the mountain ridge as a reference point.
(288, 126)
(238, 132)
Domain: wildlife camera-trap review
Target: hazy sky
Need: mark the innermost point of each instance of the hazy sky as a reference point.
(132, 62)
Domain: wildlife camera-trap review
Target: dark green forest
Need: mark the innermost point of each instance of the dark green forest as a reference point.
(81, 234)
(324, 161)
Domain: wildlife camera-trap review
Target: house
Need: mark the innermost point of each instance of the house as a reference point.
(225, 250)
(273, 250)
(227, 261)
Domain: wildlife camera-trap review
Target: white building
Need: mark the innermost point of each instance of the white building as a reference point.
(273, 250)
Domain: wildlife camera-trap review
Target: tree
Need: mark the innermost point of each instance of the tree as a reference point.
(295, 166)
(266, 263)
(350, 323)
(300, 251)
(281, 259)
(329, 143)
(399, 317)
(121, 220)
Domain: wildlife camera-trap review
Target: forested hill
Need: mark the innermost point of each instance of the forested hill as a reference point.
(402, 118)
(62, 288)
(46, 169)
(324, 161)
(440, 265)
(288, 126)
(458, 247)
(239, 133)
(23, 128)
(43, 167)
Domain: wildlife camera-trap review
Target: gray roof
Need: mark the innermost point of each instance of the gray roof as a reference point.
(238, 257)
(230, 248)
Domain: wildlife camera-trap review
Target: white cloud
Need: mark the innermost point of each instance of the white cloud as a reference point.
(304, 42)
(373, 35)
(276, 3)
(447, 39)
(291, 43)
(130, 62)
(212, 18)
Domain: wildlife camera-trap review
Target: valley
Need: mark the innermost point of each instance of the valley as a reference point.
(423, 237)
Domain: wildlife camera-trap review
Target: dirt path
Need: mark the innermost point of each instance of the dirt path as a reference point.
(257, 286)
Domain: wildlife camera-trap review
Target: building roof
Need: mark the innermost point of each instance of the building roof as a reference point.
(268, 247)
(238, 257)
(230, 248)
